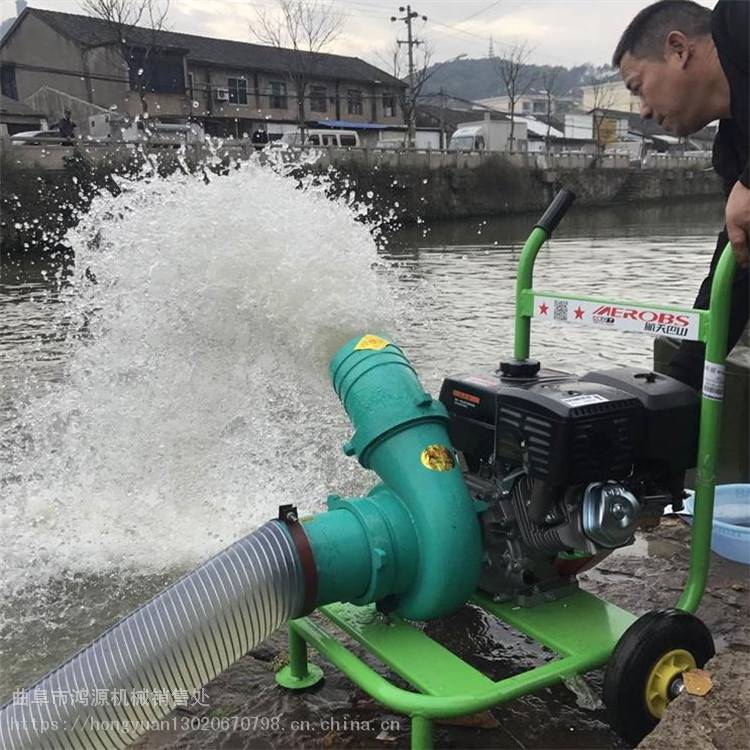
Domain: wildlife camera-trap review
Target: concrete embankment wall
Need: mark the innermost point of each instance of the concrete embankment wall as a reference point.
(497, 187)
(43, 187)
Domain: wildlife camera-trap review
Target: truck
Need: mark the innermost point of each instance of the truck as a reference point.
(487, 135)
(118, 127)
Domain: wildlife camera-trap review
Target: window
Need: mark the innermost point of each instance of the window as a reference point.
(313, 140)
(526, 106)
(156, 70)
(191, 86)
(348, 140)
(278, 95)
(318, 99)
(540, 108)
(389, 105)
(8, 81)
(237, 90)
(354, 101)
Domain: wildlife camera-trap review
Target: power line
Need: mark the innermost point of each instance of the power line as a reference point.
(479, 12)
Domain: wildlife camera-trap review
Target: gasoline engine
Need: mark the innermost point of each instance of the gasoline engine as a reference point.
(567, 468)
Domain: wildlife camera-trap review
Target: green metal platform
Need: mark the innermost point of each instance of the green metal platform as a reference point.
(580, 629)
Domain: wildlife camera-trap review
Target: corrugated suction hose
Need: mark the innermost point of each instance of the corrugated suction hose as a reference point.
(177, 642)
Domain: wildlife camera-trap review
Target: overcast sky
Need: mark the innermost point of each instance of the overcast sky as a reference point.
(560, 32)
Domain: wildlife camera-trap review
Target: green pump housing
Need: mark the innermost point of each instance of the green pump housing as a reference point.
(413, 544)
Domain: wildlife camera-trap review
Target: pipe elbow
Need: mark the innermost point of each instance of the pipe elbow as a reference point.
(401, 434)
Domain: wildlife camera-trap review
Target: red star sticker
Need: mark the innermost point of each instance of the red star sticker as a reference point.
(579, 313)
(543, 308)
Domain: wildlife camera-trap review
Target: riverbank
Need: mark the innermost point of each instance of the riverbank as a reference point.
(41, 199)
(497, 188)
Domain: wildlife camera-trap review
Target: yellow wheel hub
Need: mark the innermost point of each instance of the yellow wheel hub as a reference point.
(671, 665)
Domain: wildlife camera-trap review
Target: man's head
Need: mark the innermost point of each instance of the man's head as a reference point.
(66, 113)
(666, 57)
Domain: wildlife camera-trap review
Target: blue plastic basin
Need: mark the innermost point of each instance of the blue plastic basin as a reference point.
(730, 537)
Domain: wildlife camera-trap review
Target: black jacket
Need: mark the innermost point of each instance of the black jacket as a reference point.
(730, 28)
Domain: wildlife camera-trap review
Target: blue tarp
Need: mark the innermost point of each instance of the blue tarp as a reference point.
(351, 125)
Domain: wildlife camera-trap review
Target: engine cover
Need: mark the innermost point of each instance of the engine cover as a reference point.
(563, 430)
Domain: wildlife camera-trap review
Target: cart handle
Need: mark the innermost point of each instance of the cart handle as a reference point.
(556, 210)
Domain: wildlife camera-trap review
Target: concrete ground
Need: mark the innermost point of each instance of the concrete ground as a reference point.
(245, 708)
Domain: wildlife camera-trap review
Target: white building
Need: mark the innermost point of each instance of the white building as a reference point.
(609, 95)
(531, 103)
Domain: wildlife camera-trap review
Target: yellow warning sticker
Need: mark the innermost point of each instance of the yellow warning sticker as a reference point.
(437, 458)
(371, 342)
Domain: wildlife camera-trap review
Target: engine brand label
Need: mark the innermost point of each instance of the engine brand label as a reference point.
(461, 398)
(713, 381)
(437, 458)
(605, 315)
(371, 342)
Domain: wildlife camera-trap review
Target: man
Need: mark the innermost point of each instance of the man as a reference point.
(66, 126)
(689, 66)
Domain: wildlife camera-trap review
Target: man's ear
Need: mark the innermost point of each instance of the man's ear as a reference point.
(677, 49)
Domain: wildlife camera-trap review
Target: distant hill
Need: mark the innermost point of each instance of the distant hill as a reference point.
(480, 79)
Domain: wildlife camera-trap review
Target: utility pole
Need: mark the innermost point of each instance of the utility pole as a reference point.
(411, 42)
(443, 139)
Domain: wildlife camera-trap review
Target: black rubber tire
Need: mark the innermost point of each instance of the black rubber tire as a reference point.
(646, 641)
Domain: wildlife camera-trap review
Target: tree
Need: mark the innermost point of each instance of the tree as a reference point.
(517, 78)
(304, 28)
(603, 98)
(133, 30)
(549, 78)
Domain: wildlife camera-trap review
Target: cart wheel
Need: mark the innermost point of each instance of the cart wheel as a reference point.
(644, 672)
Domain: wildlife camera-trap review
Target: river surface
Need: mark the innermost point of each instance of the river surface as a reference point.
(162, 395)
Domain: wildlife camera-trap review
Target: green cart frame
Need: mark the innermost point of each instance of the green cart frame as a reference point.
(444, 685)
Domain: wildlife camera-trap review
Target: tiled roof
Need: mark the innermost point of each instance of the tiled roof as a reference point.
(220, 52)
(430, 116)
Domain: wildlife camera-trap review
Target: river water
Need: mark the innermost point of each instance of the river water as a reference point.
(162, 395)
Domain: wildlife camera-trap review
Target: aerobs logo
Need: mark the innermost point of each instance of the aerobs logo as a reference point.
(654, 321)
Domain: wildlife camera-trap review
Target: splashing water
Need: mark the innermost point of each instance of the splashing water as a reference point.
(194, 397)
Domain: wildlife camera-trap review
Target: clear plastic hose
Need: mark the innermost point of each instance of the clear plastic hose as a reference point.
(169, 647)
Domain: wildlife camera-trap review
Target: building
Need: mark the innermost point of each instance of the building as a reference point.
(17, 117)
(601, 125)
(609, 94)
(231, 88)
(531, 103)
(627, 131)
(547, 135)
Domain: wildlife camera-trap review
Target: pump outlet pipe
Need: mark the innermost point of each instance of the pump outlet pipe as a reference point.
(413, 545)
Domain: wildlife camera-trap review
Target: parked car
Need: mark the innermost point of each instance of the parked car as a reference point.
(322, 137)
(38, 137)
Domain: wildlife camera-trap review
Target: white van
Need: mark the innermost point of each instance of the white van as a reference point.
(322, 137)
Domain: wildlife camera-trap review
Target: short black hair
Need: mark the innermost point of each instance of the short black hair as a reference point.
(646, 33)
